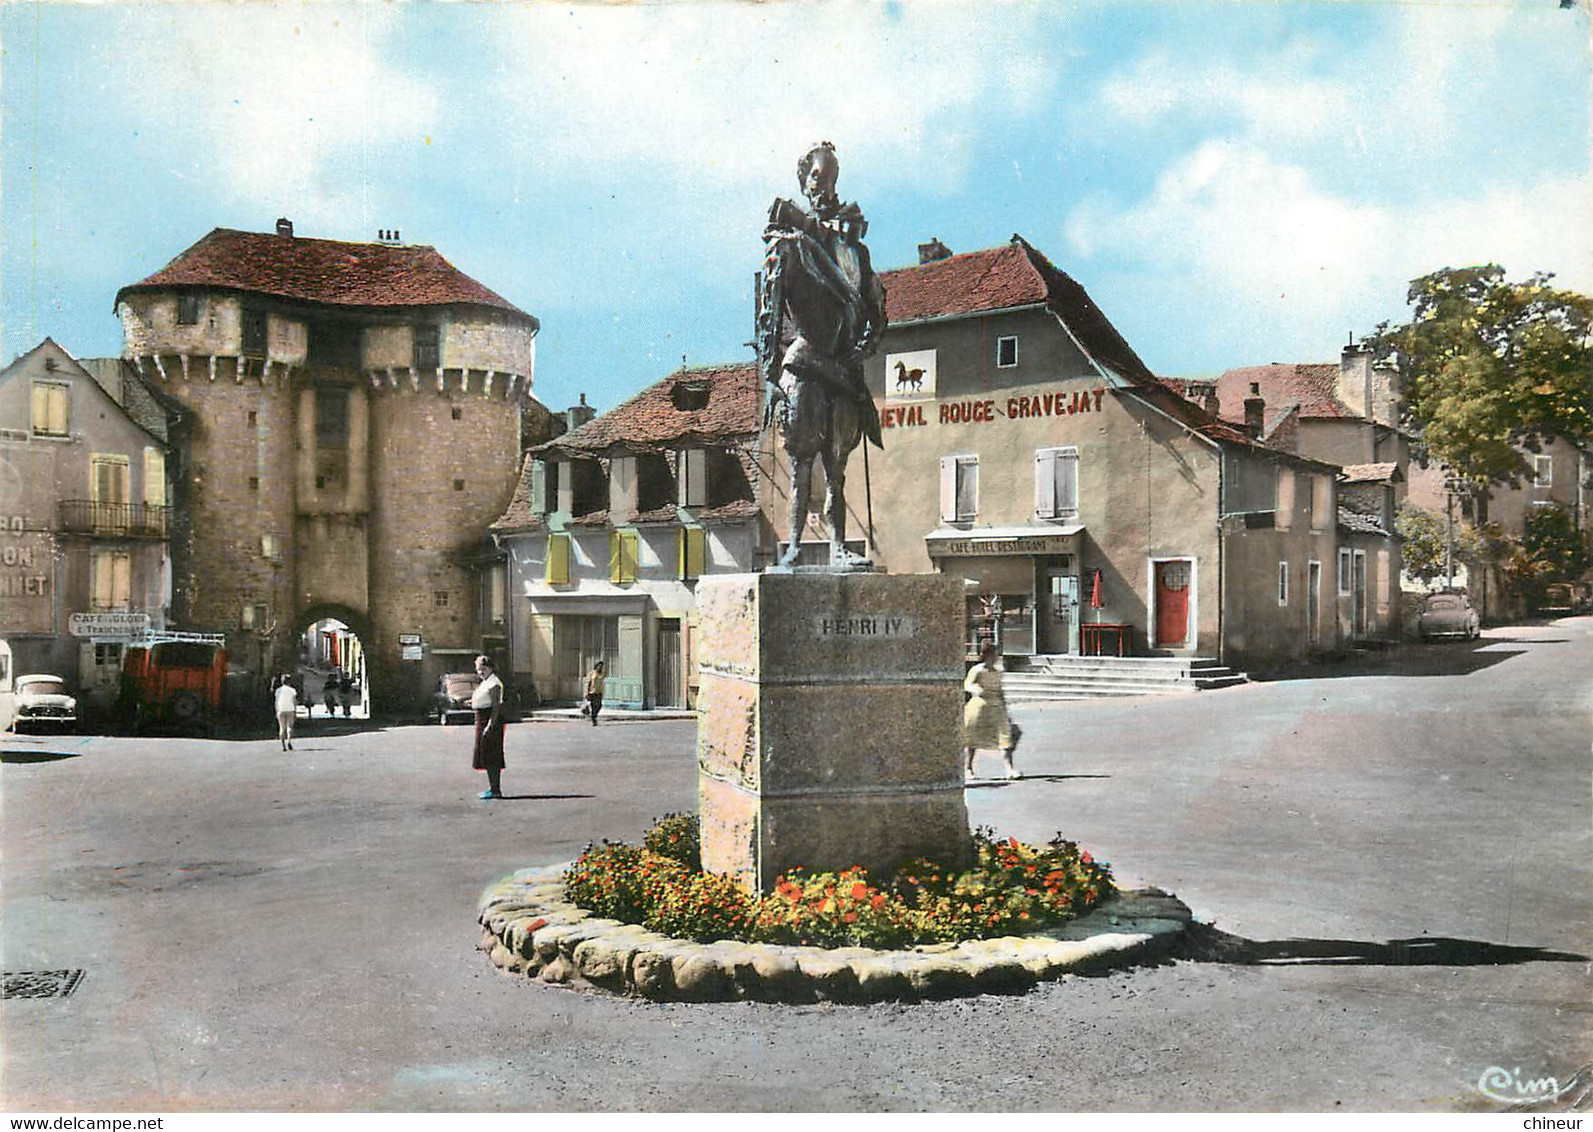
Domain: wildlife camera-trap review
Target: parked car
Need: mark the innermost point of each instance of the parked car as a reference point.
(453, 696)
(41, 698)
(1448, 614)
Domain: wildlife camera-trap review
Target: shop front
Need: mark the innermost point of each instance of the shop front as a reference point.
(1022, 585)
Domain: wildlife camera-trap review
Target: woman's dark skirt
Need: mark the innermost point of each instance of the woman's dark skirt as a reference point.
(489, 748)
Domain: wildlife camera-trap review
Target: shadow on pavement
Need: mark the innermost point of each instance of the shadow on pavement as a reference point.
(540, 797)
(1439, 658)
(1204, 943)
(36, 756)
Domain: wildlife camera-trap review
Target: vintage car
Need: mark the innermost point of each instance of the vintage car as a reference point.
(452, 699)
(1448, 614)
(40, 698)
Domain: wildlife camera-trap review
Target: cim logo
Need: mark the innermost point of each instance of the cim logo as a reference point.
(1500, 1084)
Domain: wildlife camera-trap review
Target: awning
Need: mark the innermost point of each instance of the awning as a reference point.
(959, 542)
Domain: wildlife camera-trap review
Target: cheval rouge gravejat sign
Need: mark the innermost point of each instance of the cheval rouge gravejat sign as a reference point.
(1064, 403)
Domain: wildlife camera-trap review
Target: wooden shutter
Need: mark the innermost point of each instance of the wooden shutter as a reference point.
(692, 471)
(630, 543)
(1067, 482)
(948, 489)
(1045, 483)
(154, 477)
(967, 487)
(558, 565)
(691, 551)
(539, 488)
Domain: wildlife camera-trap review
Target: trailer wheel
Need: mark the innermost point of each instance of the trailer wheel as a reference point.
(185, 706)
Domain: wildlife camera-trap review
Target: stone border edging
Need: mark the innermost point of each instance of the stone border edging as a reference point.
(528, 929)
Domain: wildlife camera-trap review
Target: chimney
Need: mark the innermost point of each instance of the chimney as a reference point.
(284, 227)
(930, 252)
(1354, 385)
(1255, 411)
(578, 415)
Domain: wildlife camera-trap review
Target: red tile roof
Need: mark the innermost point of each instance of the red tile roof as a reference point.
(1312, 386)
(518, 516)
(334, 272)
(660, 417)
(1372, 473)
(1016, 274)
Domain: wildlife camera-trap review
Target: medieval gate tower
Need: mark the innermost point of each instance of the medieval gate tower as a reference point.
(347, 425)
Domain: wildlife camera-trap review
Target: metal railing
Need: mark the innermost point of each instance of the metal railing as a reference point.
(119, 520)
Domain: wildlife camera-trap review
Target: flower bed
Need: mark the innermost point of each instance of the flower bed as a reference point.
(1011, 888)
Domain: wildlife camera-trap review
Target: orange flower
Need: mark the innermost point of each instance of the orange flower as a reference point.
(859, 890)
(878, 901)
(850, 917)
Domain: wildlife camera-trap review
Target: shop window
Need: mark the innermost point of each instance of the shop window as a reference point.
(1543, 471)
(693, 544)
(959, 488)
(1283, 583)
(557, 569)
(107, 655)
(111, 579)
(189, 307)
(1007, 351)
(52, 405)
(691, 476)
(1003, 620)
(623, 549)
(1056, 483)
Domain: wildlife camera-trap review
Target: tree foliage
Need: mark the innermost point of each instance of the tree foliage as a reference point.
(1553, 541)
(1490, 368)
(1424, 537)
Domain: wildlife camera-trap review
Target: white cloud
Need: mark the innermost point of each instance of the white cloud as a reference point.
(1259, 245)
(286, 106)
(732, 93)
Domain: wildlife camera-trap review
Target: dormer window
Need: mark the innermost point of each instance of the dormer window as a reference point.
(689, 396)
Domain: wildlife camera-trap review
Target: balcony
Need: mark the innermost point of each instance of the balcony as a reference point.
(113, 520)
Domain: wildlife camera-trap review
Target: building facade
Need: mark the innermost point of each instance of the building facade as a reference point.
(1087, 506)
(612, 524)
(348, 427)
(84, 524)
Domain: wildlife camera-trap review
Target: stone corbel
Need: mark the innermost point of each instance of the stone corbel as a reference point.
(160, 366)
(392, 379)
(212, 368)
(487, 386)
(440, 379)
(414, 378)
(184, 358)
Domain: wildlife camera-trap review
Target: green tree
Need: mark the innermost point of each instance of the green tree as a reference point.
(1424, 539)
(1491, 368)
(1553, 541)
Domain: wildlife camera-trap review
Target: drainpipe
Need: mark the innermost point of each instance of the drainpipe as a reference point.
(1222, 574)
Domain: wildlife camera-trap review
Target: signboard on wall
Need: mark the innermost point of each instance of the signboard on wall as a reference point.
(108, 625)
(910, 376)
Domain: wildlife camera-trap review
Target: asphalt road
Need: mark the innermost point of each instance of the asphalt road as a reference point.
(268, 930)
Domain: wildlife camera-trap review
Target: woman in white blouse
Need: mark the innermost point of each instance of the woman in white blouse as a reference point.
(488, 703)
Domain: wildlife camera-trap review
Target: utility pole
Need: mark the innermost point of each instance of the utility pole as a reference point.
(1449, 541)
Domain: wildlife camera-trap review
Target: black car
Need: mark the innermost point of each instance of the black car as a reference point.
(453, 694)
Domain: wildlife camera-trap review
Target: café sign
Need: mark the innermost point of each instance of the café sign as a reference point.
(1011, 544)
(108, 624)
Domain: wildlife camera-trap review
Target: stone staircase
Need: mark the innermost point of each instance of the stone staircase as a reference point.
(1041, 679)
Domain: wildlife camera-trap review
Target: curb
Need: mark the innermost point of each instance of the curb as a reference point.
(530, 931)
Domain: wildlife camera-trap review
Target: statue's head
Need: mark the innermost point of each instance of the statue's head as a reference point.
(817, 171)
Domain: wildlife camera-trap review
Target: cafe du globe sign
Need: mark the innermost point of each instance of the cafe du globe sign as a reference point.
(108, 626)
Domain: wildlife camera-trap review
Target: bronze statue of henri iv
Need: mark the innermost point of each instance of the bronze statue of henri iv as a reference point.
(821, 311)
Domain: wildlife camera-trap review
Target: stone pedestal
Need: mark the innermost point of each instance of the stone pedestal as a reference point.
(830, 722)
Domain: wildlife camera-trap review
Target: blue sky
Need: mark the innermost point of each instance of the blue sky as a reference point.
(1234, 183)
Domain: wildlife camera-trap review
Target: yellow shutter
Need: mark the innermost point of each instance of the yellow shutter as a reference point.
(691, 552)
(629, 547)
(41, 408)
(558, 565)
(616, 556)
(154, 477)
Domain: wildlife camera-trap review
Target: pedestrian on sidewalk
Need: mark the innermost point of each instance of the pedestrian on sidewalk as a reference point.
(594, 691)
(488, 704)
(345, 691)
(287, 710)
(985, 722)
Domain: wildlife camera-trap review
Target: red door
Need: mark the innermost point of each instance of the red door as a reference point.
(1172, 604)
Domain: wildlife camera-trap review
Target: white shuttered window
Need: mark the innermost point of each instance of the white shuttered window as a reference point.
(1056, 483)
(959, 488)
